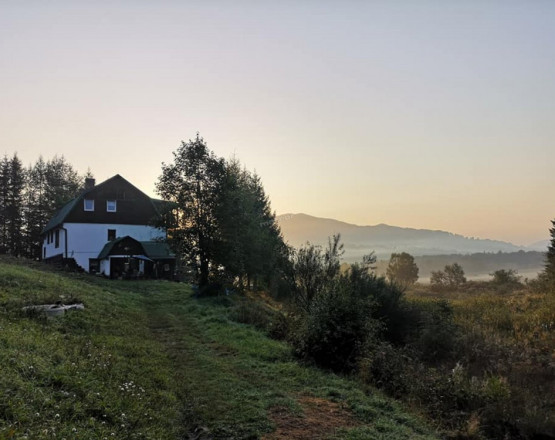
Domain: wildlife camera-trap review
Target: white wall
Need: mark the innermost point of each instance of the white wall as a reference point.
(86, 240)
(51, 249)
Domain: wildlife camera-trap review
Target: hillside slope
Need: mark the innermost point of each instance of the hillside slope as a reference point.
(383, 239)
(146, 360)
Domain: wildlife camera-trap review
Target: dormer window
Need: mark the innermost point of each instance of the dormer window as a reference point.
(111, 206)
(89, 205)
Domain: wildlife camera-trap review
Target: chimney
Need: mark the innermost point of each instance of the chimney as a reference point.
(89, 183)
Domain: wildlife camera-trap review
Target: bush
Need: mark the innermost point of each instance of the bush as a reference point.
(437, 333)
(387, 368)
(337, 328)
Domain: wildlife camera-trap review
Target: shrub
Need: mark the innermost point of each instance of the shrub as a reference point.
(338, 326)
(436, 333)
(387, 368)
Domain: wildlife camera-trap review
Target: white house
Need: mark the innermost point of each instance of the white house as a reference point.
(109, 228)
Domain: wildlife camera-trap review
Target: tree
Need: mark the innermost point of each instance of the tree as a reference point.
(14, 206)
(402, 270)
(62, 183)
(193, 182)
(251, 247)
(4, 190)
(455, 275)
(314, 269)
(505, 277)
(450, 278)
(48, 186)
(549, 271)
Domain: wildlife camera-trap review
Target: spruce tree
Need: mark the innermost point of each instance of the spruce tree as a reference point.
(4, 189)
(550, 257)
(13, 206)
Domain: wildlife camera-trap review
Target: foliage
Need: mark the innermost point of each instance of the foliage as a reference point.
(507, 280)
(314, 270)
(449, 279)
(49, 186)
(250, 247)
(192, 182)
(220, 220)
(549, 272)
(29, 198)
(342, 314)
(12, 181)
(402, 269)
(337, 328)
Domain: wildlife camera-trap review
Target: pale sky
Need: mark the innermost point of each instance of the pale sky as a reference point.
(426, 114)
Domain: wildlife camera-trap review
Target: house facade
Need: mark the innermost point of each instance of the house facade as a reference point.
(81, 231)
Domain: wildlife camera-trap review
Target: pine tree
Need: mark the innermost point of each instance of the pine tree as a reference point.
(14, 206)
(4, 189)
(37, 211)
(550, 257)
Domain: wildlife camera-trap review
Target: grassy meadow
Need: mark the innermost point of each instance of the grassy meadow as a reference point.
(505, 345)
(148, 360)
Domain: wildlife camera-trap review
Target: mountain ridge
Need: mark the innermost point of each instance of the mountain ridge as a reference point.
(384, 239)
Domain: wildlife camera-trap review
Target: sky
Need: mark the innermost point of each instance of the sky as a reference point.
(424, 114)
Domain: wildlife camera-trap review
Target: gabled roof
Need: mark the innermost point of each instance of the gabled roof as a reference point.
(62, 214)
(59, 217)
(156, 250)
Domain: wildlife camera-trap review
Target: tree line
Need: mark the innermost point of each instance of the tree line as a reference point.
(29, 197)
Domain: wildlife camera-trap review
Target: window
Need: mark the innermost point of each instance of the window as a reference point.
(89, 205)
(111, 234)
(57, 244)
(111, 205)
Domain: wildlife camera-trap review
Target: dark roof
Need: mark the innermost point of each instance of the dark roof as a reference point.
(144, 208)
(59, 217)
(109, 246)
(155, 250)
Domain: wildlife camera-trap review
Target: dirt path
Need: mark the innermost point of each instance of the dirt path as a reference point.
(319, 420)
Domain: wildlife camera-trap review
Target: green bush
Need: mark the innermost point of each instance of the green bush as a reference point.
(387, 368)
(338, 326)
(436, 333)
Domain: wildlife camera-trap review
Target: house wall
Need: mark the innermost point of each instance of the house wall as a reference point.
(105, 265)
(87, 240)
(50, 250)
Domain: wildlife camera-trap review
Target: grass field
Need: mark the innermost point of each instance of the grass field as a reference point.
(147, 360)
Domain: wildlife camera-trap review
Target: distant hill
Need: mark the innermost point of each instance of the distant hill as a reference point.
(384, 239)
(540, 246)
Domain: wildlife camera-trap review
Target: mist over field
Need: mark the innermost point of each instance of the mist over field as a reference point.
(432, 249)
